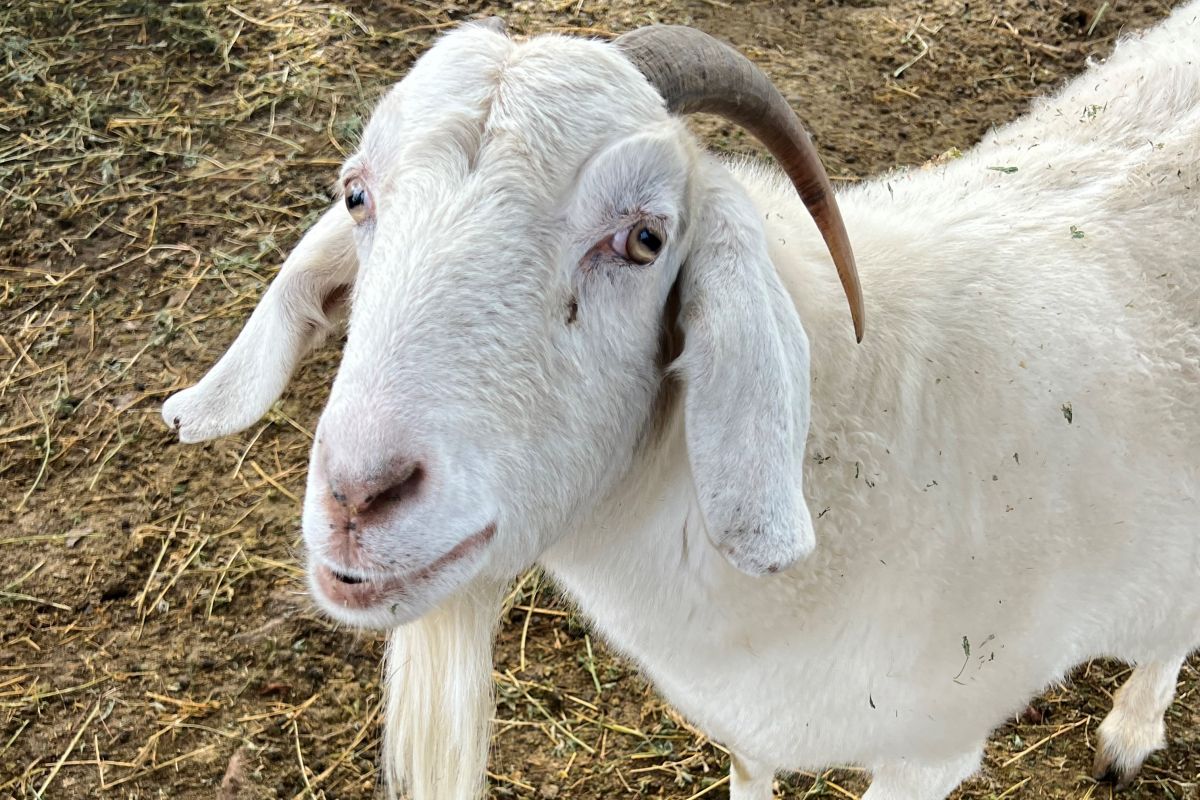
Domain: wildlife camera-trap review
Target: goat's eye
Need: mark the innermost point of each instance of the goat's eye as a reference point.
(640, 244)
(358, 201)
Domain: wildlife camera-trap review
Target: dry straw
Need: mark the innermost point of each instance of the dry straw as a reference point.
(157, 160)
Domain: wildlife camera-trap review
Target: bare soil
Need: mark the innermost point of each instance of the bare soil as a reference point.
(157, 161)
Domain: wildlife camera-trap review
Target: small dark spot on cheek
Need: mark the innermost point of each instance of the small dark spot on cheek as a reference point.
(572, 310)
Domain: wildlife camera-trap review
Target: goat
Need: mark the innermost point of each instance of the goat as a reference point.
(574, 338)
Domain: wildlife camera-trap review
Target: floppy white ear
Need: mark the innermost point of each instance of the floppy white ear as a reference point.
(745, 364)
(293, 316)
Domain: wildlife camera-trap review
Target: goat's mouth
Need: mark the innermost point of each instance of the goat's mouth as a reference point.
(352, 591)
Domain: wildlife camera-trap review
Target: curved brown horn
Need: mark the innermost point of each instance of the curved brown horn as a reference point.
(695, 72)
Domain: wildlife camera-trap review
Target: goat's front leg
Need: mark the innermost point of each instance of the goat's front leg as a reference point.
(1135, 728)
(922, 780)
(749, 780)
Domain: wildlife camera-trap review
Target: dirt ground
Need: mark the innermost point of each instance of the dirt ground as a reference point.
(157, 161)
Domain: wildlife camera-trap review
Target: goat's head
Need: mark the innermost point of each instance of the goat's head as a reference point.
(521, 227)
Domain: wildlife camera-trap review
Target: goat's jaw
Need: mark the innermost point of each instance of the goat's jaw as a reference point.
(382, 600)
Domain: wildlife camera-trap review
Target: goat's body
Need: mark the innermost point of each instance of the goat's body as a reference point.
(1006, 475)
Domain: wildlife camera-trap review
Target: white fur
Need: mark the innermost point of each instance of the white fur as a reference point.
(1003, 479)
(1135, 727)
(287, 323)
(438, 677)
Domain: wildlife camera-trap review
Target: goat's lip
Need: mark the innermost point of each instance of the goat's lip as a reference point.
(350, 590)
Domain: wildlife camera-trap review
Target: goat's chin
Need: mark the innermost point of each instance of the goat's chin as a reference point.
(375, 618)
(384, 601)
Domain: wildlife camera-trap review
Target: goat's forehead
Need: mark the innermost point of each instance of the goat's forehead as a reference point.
(548, 103)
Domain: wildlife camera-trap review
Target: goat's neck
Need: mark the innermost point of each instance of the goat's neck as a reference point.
(647, 546)
(646, 543)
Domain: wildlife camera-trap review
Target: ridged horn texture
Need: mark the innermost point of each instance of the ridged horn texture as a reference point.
(696, 73)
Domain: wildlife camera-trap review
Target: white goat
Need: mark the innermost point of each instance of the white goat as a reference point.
(576, 339)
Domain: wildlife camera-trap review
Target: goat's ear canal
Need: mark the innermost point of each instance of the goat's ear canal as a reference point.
(745, 364)
(298, 309)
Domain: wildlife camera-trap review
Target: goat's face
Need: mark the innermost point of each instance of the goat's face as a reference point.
(511, 239)
(500, 362)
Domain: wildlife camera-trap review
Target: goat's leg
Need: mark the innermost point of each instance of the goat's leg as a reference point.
(749, 780)
(1134, 728)
(929, 780)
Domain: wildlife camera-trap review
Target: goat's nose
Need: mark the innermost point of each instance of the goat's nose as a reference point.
(372, 499)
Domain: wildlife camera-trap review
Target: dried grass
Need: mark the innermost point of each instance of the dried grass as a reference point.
(157, 160)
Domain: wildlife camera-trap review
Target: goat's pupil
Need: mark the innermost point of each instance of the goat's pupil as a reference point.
(355, 198)
(648, 240)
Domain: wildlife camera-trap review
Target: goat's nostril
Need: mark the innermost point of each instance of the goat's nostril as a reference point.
(404, 488)
(352, 505)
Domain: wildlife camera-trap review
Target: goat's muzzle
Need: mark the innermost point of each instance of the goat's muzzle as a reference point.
(357, 591)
